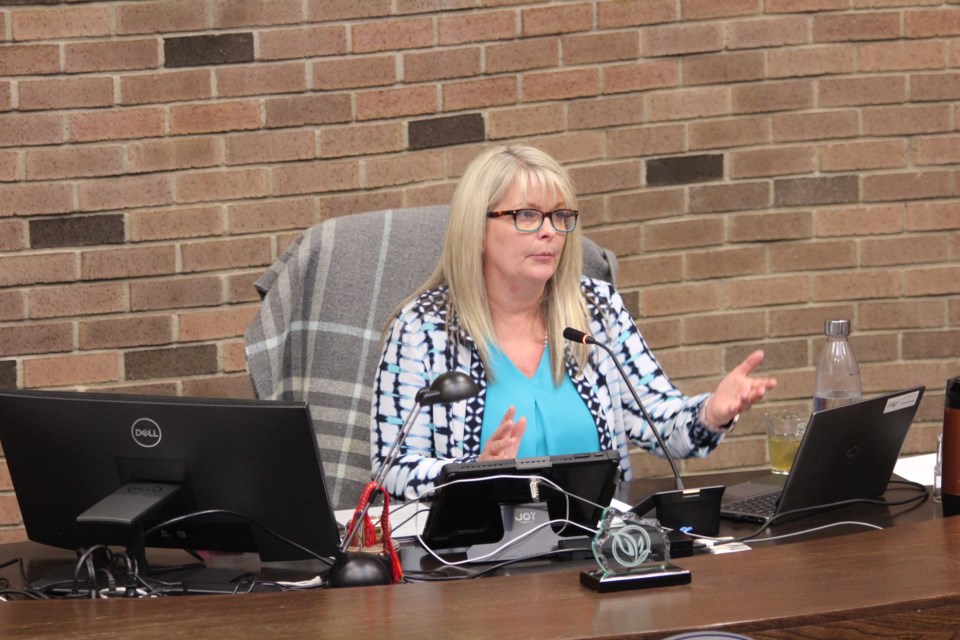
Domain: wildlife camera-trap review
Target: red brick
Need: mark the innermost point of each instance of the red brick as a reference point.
(162, 17)
(234, 355)
(166, 86)
(855, 156)
(340, 205)
(165, 224)
(247, 13)
(629, 13)
(535, 53)
(13, 235)
(392, 103)
(838, 92)
(104, 264)
(65, 93)
(167, 154)
(857, 221)
(12, 305)
(600, 47)
(223, 184)
(776, 161)
(240, 287)
(723, 68)
(936, 150)
(857, 285)
(392, 35)
(29, 59)
(641, 76)
(71, 162)
(440, 64)
(112, 55)
(219, 116)
(643, 272)
(271, 215)
(324, 10)
(476, 94)
(246, 80)
(724, 263)
(302, 42)
(432, 6)
(176, 293)
(646, 141)
(38, 268)
(368, 71)
(480, 26)
(609, 176)
(767, 32)
(931, 281)
(730, 197)
(270, 146)
(816, 126)
(934, 86)
(760, 227)
(316, 177)
(680, 299)
(557, 85)
(18, 130)
(907, 120)
(906, 314)
(908, 186)
(931, 23)
(319, 108)
(810, 61)
(763, 292)
(647, 205)
(36, 338)
(77, 300)
(137, 331)
(359, 139)
(60, 23)
(228, 322)
(890, 56)
(856, 26)
(215, 255)
(812, 256)
(577, 146)
(704, 9)
(682, 234)
(605, 112)
(6, 96)
(116, 124)
(403, 169)
(124, 192)
(9, 166)
(219, 387)
(799, 6)
(71, 370)
(773, 96)
(933, 216)
(540, 21)
(429, 195)
(740, 131)
(27, 199)
(880, 252)
(688, 103)
(681, 39)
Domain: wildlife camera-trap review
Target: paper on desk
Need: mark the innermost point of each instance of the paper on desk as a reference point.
(917, 468)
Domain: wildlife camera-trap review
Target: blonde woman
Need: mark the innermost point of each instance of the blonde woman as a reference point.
(508, 282)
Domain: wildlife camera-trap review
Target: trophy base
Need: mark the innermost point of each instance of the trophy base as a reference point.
(667, 576)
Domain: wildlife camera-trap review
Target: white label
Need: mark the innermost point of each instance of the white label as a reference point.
(901, 402)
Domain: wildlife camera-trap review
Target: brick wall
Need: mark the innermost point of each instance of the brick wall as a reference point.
(758, 166)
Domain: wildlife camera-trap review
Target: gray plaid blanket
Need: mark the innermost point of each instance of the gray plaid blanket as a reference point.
(318, 334)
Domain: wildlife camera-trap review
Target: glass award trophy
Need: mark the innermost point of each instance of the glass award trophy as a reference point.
(632, 553)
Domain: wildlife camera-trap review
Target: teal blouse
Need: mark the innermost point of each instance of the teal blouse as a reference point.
(558, 421)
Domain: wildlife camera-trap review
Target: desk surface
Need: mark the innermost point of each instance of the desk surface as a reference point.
(860, 585)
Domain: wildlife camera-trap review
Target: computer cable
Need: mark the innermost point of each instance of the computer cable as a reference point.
(420, 576)
(820, 528)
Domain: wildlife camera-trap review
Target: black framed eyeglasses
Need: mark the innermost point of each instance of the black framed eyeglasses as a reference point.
(530, 220)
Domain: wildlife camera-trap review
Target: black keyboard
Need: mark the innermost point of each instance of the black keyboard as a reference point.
(763, 506)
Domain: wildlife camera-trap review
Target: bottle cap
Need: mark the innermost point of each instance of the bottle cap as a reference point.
(836, 327)
(953, 393)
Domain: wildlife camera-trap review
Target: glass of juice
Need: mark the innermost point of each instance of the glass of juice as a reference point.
(784, 431)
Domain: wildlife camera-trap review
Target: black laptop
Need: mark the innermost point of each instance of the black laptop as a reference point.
(846, 453)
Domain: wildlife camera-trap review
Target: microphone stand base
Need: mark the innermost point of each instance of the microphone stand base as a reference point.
(357, 569)
(668, 576)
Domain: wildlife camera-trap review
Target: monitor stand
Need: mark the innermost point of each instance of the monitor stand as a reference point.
(520, 522)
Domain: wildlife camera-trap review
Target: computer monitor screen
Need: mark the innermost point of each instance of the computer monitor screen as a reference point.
(469, 513)
(106, 457)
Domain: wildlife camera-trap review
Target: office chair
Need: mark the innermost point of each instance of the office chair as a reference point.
(318, 334)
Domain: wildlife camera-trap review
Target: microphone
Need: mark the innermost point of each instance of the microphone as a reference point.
(574, 335)
(680, 509)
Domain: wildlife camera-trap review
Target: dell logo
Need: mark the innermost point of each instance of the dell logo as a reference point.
(146, 433)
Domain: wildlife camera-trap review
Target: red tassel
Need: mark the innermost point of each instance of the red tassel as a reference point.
(368, 533)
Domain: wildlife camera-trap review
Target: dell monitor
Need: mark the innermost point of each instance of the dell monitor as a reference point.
(96, 468)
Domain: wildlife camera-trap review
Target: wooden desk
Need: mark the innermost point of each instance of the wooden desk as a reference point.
(903, 579)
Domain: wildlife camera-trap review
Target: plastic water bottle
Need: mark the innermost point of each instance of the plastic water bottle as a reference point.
(838, 375)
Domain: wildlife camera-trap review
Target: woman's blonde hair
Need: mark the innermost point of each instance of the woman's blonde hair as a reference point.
(484, 184)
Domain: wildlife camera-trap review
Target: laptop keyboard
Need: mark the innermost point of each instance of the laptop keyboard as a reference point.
(764, 506)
